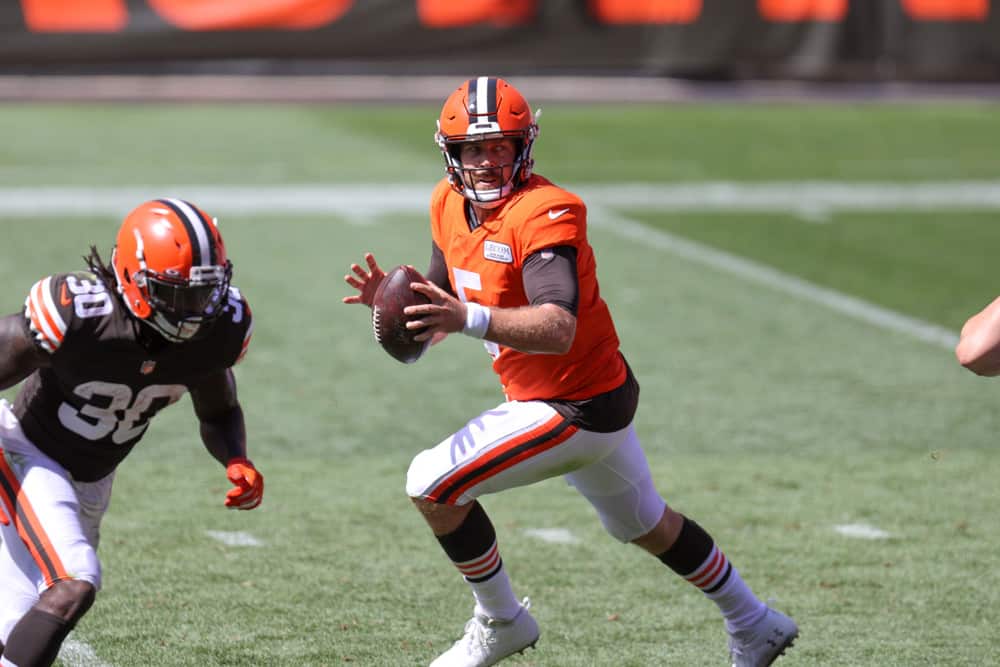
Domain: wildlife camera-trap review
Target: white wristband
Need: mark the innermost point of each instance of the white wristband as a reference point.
(477, 320)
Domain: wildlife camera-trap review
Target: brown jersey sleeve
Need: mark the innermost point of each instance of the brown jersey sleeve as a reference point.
(550, 277)
(437, 270)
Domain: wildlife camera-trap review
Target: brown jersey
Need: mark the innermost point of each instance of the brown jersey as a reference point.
(107, 377)
(484, 266)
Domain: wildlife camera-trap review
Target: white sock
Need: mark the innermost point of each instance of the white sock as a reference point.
(722, 583)
(490, 585)
(739, 606)
(495, 596)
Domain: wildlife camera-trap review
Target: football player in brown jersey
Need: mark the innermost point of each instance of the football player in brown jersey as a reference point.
(511, 264)
(100, 353)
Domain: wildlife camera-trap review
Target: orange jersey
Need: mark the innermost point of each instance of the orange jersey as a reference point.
(484, 266)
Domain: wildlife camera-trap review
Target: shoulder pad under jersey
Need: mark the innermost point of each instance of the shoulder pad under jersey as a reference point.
(56, 301)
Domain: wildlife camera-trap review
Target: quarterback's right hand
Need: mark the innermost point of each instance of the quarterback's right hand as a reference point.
(366, 282)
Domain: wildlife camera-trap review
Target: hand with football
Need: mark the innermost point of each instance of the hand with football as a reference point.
(366, 282)
(248, 482)
(444, 314)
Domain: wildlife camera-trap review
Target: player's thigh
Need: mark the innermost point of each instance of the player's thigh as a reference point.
(54, 529)
(18, 591)
(621, 489)
(515, 444)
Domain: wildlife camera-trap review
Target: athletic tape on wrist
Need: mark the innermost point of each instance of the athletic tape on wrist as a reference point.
(477, 320)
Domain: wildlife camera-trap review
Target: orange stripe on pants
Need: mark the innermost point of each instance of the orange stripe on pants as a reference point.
(30, 529)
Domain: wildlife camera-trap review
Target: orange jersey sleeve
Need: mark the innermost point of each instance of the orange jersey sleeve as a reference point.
(484, 266)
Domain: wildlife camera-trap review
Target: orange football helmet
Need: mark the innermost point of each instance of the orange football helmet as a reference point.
(480, 109)
(171, 267)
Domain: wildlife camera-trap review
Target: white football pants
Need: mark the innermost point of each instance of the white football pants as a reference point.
(54, 523)
(520, 443)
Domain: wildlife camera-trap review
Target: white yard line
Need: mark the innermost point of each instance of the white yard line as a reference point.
(362, 198)
(359, 202)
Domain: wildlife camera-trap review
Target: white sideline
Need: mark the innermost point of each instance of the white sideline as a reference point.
(358, 202)
(749, 270)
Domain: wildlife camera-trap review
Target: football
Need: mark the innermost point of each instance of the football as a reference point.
(389, 322)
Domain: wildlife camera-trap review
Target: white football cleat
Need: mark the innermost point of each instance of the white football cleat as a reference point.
(764, 642)
(487, 640)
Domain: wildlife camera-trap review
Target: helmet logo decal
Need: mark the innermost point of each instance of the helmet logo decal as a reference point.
(140, 254)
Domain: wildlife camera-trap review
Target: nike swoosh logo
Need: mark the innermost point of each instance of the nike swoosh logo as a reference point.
(555, 214)
(63, 297)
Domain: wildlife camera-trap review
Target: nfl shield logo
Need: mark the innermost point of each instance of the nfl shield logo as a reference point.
(147, 367)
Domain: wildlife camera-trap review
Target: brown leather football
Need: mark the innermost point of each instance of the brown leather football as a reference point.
(389, 322)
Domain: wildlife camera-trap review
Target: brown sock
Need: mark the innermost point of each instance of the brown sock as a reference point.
(36, 639)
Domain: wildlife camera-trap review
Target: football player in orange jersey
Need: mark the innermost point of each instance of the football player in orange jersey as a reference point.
(101, 352)
(511, 264)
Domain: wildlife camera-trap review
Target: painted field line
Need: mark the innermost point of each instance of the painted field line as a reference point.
(75, 653)
(861, 531)
(362, 199)
(553, 535)
(234, 538)
(751, 271)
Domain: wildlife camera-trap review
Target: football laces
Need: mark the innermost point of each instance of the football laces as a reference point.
(375, 324)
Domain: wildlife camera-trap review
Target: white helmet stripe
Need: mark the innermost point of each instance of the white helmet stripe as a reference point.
(484, 89)
(482, 95)
(198, 229)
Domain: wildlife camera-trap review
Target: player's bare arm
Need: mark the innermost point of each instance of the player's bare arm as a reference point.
(223, 431)
(366, 281)
(541, 329)
(19, 356)
(978, 347)
(220, 416)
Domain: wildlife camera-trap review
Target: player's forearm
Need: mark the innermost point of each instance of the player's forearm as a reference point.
(978, 347)
(225, 435)
(544, 329)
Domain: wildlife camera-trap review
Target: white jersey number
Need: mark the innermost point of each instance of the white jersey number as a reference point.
(472, 281)
(90, 299)
(110, 409)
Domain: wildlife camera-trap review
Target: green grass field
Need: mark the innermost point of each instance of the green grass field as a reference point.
(769, 417)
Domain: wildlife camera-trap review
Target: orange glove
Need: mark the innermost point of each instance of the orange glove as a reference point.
(249, 484)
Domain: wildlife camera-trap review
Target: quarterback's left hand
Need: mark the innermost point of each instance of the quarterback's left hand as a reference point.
(249, 484)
